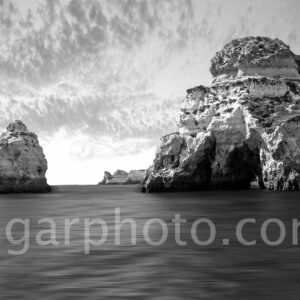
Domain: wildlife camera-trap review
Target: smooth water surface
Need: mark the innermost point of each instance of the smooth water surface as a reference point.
(143, 271)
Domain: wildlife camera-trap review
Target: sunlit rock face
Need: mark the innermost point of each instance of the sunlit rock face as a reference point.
(22, 162)
(243, 128)
(122, 177)
(254, 56)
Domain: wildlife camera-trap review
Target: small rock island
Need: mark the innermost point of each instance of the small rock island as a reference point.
(22, 162)
(122, 177)
(244, 127)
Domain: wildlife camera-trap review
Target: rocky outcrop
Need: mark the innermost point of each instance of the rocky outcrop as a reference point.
(122, 177)
(254, 55)
(107, 177)
(22, 162)
(245, 127)
(135, 176)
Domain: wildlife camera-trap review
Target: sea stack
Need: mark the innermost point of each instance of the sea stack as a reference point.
(22, 162)
(244, 127)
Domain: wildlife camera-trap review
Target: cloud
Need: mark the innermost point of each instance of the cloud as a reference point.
(105, 78)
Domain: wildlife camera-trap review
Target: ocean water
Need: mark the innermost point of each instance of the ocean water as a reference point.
(143, 271)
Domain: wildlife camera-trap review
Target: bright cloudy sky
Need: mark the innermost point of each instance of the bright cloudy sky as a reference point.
(101, 81)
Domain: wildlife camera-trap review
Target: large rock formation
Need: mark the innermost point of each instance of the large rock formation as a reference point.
(122, 177)
(22, 162)
(246, 126)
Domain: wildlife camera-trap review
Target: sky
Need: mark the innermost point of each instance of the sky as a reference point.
(100, 82)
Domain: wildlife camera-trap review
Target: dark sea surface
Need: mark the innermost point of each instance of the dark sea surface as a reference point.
(143, 271)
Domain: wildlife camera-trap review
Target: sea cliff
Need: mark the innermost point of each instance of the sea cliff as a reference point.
(244, 127)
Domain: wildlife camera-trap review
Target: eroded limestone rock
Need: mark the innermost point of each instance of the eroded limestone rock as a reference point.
(22, 162)
(252, 56)
(244, 127)
(122, 177)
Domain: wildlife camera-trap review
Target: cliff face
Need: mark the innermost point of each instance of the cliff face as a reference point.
(22, 162)
(246, 126)
(122, 177)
